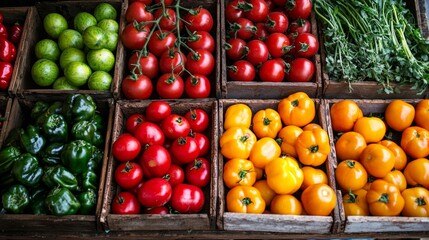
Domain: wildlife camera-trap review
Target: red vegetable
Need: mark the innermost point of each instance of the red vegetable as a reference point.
(5, 74)
(3, 31)
(7, 51)
(15, 33)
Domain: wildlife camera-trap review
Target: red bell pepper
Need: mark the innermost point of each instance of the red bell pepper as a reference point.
(7, 51)
(5, 75)
(3, 31)
(15, 32)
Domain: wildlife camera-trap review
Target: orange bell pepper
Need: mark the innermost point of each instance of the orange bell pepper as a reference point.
(237, 142)
(245, 199)
(384, 199)
(313, 147)
(284, 175)
(297, 109)
(237, 115)
(266, 123)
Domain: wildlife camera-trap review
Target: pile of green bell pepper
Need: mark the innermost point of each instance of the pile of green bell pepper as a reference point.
(51, 165)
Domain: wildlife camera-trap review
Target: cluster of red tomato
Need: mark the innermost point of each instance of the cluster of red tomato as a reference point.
(263, 155)
(162, 160)
(172, 52)
(271, 39)
(9, 40)
(383, 166)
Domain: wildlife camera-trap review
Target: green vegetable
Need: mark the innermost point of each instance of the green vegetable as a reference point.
(61, 201)
(38, 109)
(79, 107)
(60, 176)
(95, 160)
(27, 170)
(55, 128)
(89, 180)
(16, 199)
(54, 108)
(87, 130)
(8, 157)
(31, 139)
(37, 201)
(76, 156)
(374, 40)
(88, 202)
(51, 155)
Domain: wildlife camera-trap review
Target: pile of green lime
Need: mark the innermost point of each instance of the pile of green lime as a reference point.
(80, 57)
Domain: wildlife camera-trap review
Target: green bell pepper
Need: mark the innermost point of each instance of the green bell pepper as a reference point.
(59, 175)
(38, 109)
(27, 170)
(79, 107)
(31, 139)
(55, 128)
(95, 160)
(89, 180)
(16, 199)
(61, 201)
(37, 201)
(98, 121)
(76, 155)
(8, 157)
(87, 130)
(54, 108)
(51, 155)
(88, 202)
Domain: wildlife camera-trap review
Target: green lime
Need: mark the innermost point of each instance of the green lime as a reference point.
(54, 24)
(94, 37)
(83, 20)
(70, 39)
(48, 49)
(62, 84)
(104, 11)
(77, 73)
(112, 41)
(101, 60)
(70, 55)
(44, 72)
(109, 25)
(100, 80)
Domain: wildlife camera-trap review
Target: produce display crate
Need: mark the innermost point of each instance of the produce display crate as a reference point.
(375, 224)
(422, 20)
(9, 223)
(302, 224)
(24, 84)
(14, 15)
(213, 6)
(266, 90)
(5, 108)
(146, 222)
(370, 89)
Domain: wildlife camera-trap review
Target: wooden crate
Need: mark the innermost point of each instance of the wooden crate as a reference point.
(213, 6)
(20, 112)
(5, 108)
(374, 224)
(371, 89)
(14, 15)
(266, 90)
(423, 18)
(146, 222)
(275, 223)
(35, 32)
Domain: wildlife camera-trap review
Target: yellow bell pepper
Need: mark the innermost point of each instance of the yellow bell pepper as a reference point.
(287, 138)
(237, 115)
(245, 199)
(239, 172)
(266, 123)
(264, 151)
(297, 109)
(237, 142)
(284, 175)
(312, 147)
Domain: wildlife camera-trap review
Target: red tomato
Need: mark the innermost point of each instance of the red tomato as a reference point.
(156, 210)
(128, 175)
(155, 161)
(197, 86)
(147, 2)
(157, 111)
(199, 19)
(185, 149)
(200, 61)
(137, 11)
(242, 28)
(175, 126)
(198, 119)
(126, 147)
(168, 19)
(149, 134)
(261, 32)
(187, 198)
(155, 192)
(175, 175)
(300, 70)
(140, 88)
(136, 190)
(277, 22)
(198, 172)
(306, 45)
(299, 9)
(278, 44)
(258, 52)
(201, 39)
(258, 11)
(160, 42)
(232, 12)
(241, 70)
(133, 121)
(300, 26)
(147, 64)
(235, 48)
(125, 203)
(172, 61)
(272, 71)
(134, 38)
(203, 143)
(170, 86)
